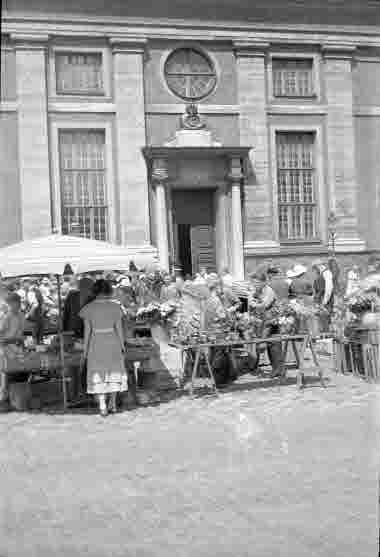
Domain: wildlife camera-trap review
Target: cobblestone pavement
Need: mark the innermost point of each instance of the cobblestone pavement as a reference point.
(259, 471)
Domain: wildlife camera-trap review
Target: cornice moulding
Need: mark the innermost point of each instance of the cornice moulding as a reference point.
(250, 48)
(128, 43)
(338, 50)
(192, 23)
(82, 27)
(29, 41)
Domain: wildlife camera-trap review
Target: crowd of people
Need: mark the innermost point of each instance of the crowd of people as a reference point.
(97, 308)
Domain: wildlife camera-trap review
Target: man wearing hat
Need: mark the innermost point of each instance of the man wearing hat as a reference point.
(323, 291)
(301, 289)
(300, 286)
(278, 282)
(262, 298)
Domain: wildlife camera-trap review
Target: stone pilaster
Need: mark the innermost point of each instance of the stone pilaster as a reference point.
(159, 181)
(251, 67)
(223, 235)
(236, 177)
(341, 145)
(33, 135)
(128, 58)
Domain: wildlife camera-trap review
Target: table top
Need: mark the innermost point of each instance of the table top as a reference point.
(274, 338)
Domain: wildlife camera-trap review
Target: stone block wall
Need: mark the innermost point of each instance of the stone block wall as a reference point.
(10, 195)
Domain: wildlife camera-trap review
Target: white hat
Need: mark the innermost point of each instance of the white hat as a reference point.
(124, 282)
(296, 271)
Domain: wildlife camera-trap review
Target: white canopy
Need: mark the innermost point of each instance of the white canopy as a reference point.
(50, 254)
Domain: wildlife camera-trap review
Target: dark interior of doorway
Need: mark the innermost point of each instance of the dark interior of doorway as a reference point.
(184, 248)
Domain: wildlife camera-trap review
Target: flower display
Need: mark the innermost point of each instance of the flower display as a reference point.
(155, 311)
(363, 301)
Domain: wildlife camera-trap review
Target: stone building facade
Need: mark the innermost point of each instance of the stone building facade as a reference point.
(201, 142)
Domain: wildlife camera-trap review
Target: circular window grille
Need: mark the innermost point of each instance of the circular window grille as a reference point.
(189, 74)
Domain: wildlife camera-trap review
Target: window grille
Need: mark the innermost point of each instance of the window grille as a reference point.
(292, 78)
(79, 73)
(83, 184)
(297, 204)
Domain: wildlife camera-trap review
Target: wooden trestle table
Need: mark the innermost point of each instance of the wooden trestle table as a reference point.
(201, 350)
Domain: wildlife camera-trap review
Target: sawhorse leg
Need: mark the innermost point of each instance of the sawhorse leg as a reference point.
(185, 358)
(195, 369)
(308, 342)
(316, 362)
(295, 351)
(233, 362)
(211, 373)
(202, 352)
(301, 363)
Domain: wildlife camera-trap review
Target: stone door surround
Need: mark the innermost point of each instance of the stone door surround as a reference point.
(158, 158)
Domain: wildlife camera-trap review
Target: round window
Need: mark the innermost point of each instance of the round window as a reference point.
(189, 74)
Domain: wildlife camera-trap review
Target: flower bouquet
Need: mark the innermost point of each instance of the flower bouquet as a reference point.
(166, 310)
(152, 282)
(250, 325)
(151, 312)
(287, 324)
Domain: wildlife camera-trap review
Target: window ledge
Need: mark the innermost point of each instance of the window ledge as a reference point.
(76, 94)
(303, 248)
(291, 97)
(300, 242)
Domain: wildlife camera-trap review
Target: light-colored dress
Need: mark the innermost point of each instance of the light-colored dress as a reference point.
(106, 371)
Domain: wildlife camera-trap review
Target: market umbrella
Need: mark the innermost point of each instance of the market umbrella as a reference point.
(56, 255)
(50, 254)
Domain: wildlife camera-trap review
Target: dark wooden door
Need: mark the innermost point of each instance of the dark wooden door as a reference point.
(203, 248)
(194, 228)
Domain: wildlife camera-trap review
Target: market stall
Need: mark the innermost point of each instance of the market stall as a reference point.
(56, 255)
(357, 331)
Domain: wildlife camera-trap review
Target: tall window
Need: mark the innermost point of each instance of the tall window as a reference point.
(83, 183)
(292, 78)
(79, 74)
(297, 206)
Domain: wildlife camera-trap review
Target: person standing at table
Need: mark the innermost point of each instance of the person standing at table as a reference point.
(353, 281)
(261, 302)
(278, 282)
(301, 290)
(104, 347)
(11, 338)
(35, 310)
(214, 314)
(323, 292)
